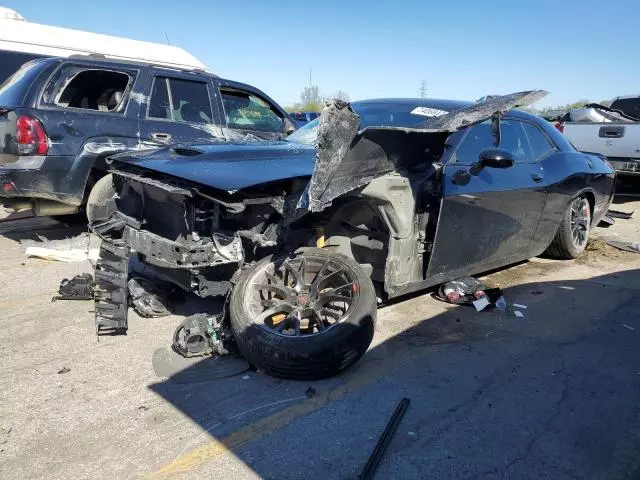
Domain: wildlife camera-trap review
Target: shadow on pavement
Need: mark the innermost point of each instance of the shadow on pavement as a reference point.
(551, 395)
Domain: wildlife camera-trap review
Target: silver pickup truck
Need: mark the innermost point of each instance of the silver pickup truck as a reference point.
(610, 131)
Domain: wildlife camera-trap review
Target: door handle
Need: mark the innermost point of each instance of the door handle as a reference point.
(161, 136)
(536, 177)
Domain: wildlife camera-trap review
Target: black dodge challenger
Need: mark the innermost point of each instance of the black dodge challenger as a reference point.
(373, 200)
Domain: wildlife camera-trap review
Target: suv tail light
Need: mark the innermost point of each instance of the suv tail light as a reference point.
(560, 126)
(31, 136)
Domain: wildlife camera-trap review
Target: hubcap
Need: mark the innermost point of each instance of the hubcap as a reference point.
(580, 221)
(301, 296)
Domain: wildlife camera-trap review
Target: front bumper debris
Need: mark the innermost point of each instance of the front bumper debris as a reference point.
(162, 252)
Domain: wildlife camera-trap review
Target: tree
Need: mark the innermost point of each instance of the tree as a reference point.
(341, 95)
(310, 94)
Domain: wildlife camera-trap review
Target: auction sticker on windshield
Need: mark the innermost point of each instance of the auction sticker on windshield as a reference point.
(428, 112)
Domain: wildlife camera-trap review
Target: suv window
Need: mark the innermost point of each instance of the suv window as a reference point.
(249, 112)
(180, 100)
(538, 142)
(10, 62)
(90, 89)
(16, 86)
(628, 106)
(479, 137)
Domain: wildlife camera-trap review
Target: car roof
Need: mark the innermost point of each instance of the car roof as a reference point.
(438, 103)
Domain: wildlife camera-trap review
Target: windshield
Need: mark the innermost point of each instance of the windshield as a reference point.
(373, 115)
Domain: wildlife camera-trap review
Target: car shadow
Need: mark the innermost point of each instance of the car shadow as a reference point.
(36, 228)
(491, 395)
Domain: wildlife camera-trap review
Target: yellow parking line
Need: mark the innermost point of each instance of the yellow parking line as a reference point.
(368, 373)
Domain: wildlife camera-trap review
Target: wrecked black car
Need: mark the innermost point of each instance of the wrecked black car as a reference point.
(306, 239)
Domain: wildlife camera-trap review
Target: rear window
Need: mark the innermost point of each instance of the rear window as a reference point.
(13, 90)
(89, 89)
(10, 62)
(628, 106)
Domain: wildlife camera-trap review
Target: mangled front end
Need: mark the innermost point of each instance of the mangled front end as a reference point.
(194, 237)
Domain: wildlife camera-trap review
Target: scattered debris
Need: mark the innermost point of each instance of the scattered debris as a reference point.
(518, 314)
(385, 440)
(143, 407)
(537, 292)
(310, 392)
(518, 305)
(111, 292)
(633, 247)
(481, 303)
(246, 377)
(462, 291)
(412, 434)
(501, 304)
(147, 300)
(628, 327)
(201, 334)
(73, 249)
(79, 287)
(63, 370)
(619, 214)
(606, 222)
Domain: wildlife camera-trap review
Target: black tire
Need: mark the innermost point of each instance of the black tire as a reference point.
(101, 200)
(310, 356)
(564, 245)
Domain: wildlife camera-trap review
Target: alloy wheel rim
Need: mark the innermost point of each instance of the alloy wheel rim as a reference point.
(580, 221)
(301, 297)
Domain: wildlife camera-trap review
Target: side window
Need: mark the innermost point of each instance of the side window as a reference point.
(159, 106)
(250, 112)
(479, 137)
(180, 101)
(538, 142)
(89, 89)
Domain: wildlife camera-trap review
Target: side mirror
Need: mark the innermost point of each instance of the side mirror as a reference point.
(289, 128)
(492, 158)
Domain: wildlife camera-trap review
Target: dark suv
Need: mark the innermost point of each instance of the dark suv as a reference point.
(61, 118)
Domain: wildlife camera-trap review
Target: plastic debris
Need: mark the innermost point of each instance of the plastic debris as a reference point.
(518, 305)
(481, 303)
(628, 327)
(79, 287)
(462, 291)
(619, 214)
(501, 304)
(73, 255)
(518, 314)
(147, 300)
(310, 392)
(633, 247)
(246, 377)
(63, 370)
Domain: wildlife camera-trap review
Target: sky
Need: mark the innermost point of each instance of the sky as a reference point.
(462, 49)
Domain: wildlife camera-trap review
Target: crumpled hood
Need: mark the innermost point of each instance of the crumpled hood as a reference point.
(228, 166)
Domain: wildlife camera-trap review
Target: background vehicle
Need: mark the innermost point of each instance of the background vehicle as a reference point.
(302, 118)
(22, 41)
(60, 119)
(613, 132)
(394, 209)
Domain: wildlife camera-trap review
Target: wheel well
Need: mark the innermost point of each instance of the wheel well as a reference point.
(592, 201)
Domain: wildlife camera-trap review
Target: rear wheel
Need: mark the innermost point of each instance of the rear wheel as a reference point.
(303, 316)
(573, 233)
(101, 200)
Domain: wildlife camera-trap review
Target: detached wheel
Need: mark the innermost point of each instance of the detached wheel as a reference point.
(303, 316)
(101, 200)
(573, 233)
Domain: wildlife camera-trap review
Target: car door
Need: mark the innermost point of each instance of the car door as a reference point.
(178, 109)
(249, 111)
(491, 220)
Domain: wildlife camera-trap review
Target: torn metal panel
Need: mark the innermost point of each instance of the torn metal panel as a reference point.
(347, 159)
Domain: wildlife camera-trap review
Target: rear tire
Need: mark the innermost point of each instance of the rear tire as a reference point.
(291, 345)
(573, 233)
(101, 200)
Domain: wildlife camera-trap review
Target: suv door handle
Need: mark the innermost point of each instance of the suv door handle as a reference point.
(536, 177)
(161, 136)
